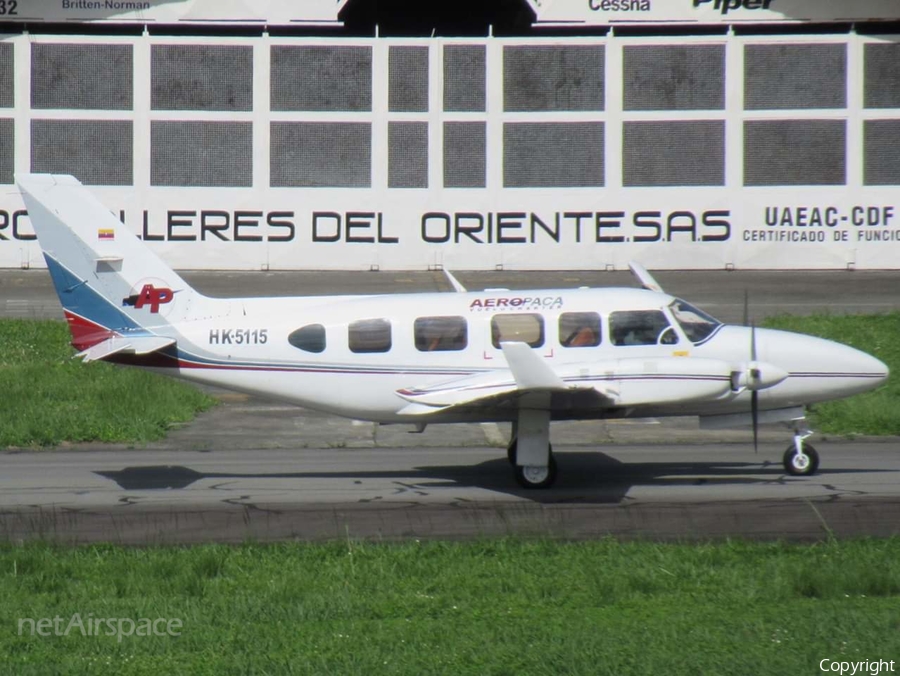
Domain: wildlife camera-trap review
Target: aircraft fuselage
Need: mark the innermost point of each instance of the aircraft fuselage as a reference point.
(361, 350)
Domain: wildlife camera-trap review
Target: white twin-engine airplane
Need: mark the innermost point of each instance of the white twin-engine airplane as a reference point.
(525, 357)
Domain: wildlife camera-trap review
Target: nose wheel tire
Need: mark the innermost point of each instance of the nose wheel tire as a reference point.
(531, 477)
(801, 464)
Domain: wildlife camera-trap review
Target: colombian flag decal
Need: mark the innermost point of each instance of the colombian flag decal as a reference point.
(106, 233)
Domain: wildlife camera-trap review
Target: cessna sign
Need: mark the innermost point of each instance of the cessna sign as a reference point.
(605, 12)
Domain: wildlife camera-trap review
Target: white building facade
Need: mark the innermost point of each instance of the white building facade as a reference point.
(704, 149)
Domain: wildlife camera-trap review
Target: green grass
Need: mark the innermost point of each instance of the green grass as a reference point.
(48, 397)
(504, 607)
(876, 412)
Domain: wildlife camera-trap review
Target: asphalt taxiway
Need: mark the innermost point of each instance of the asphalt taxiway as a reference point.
(302, 475)
(253, 470)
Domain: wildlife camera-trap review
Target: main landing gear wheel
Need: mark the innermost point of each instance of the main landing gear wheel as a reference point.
(531, 477)
(804, 463)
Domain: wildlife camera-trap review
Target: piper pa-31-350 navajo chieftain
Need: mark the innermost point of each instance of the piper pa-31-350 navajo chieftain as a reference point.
(524, 357)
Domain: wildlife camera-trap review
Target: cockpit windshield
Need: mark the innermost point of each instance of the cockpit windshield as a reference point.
(696, 324)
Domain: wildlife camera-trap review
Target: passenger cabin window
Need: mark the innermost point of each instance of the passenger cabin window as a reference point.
(641, 327)
(309, 339)
(696, 324)
(579, 329)
(524, 328)
(370, 335)
(441, 334)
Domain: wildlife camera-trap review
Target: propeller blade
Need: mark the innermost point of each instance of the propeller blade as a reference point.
(754, 379)
(753, 342)
(754, 413)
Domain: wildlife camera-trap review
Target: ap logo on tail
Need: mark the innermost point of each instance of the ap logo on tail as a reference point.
(151, 297)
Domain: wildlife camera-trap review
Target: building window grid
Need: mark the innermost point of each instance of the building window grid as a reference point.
(464, 118)
(829, 110)
(855, 112)
(407, 125)
(577, 118)
(8, 113)
(338, 128)
(690, 104)
(879, 110)
(213, 127)
(101, 114)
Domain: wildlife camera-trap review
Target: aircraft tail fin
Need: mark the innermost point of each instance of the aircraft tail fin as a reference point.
(109, 283)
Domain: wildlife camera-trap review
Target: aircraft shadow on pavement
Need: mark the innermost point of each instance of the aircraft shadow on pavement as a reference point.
(589, 477)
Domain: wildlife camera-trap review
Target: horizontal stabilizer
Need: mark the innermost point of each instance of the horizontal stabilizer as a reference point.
(130, 345)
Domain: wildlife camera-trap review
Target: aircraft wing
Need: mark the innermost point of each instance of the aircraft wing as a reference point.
(127, 344)
(527, 373)
(597, 384)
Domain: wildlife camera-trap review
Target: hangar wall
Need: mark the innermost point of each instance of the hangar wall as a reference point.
(688, 152)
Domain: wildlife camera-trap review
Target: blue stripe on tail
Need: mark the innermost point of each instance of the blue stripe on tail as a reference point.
(77, 296)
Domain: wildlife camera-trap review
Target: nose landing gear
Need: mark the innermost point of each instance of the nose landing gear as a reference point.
(800, 458)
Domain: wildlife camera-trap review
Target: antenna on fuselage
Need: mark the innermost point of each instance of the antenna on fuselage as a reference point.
(454, 282)
(644, 277)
